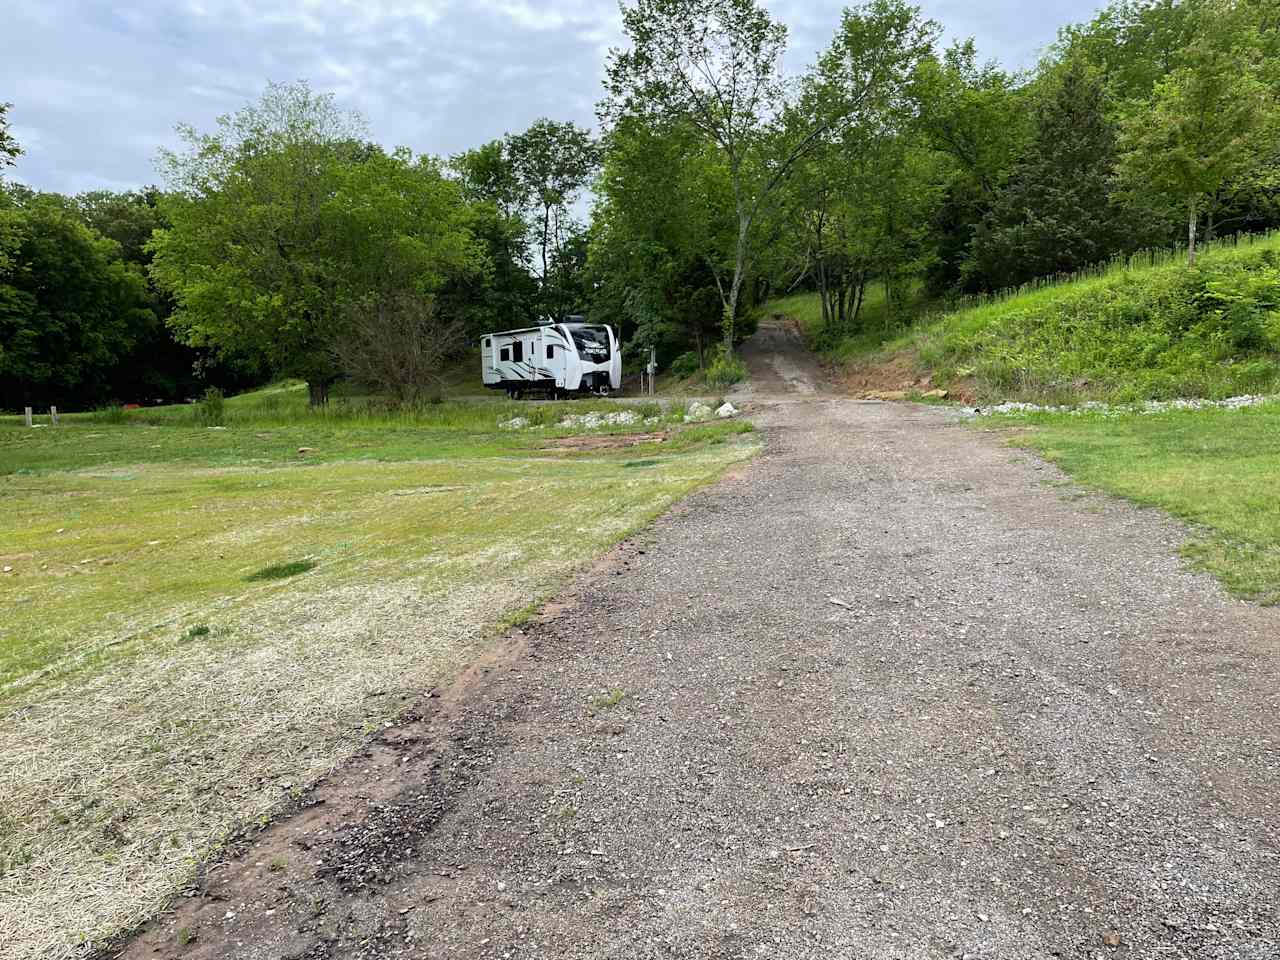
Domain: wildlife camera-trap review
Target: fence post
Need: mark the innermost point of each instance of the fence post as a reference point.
(53, 416)
(27, 414)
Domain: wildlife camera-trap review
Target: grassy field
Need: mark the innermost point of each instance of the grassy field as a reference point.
(1130, 330)
(200, 621)
(1217, 469)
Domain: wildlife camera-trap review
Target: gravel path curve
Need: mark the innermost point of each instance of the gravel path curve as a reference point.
(893, 690)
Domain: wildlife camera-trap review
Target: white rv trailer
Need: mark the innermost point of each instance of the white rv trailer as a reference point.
(554, 359)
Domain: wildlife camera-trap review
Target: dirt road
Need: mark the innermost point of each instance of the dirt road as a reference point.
(892, 691)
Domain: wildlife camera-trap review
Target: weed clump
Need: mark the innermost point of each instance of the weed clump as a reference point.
(210, 410)
(726, 371)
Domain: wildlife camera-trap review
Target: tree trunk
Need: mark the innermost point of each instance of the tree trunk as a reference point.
(318, 392)
(860, 293)
(739, 267)
(1192, 216)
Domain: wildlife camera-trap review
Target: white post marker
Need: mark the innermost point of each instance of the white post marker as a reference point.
(27, 413)
(53, 416)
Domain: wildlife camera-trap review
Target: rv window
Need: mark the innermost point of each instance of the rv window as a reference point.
(518, 350)
(592, 343)
(551, 351)
(505, 354)
(488, 342)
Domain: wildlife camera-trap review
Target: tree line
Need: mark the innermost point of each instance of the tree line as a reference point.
(285, 242)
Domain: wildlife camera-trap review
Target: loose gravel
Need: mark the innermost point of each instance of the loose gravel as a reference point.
(886, 693)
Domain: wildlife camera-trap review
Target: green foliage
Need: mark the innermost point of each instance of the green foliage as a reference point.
(725, 371)
(686, 365)
(211, 409)
(506, 295)
(9, 149)
(70, 309)
(1211, 120)
(283, 219)
(1058, 211)
(248, 257)
(552, 164)
(1128, 333)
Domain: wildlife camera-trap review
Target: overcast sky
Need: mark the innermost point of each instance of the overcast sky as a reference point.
(97, 87)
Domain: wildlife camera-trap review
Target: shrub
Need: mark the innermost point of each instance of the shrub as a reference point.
(726, 371)
(209, 409)
(112, 414)
(686, 365)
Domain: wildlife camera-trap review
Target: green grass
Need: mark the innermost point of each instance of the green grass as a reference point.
(1141, 328)
(1217, 469)
(199, 621)
(110, 527)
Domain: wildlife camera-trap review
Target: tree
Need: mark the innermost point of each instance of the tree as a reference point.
(247, 258)
(9, 149)
(396, 230)
(506, 296)
(1134, 43)
(1209, 121)
(1058, 212)
(397, 343)
(552, 163)
(129, 218)
(714, 65)
(660, 231)
(972, 114)
(70, 309)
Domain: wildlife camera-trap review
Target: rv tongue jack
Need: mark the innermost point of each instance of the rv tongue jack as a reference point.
(554, 360)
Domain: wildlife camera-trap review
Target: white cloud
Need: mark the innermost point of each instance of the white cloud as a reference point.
(96, 87)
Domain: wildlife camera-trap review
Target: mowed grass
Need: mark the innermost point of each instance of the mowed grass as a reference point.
(1217, 469)
(197, 622)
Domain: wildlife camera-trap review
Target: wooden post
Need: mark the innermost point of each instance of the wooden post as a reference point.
(27, 413)
(53, 416)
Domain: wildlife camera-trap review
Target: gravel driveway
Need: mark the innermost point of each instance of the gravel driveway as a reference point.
(893, 690)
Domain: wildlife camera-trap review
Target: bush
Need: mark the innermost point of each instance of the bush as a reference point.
(112, 414)
(686, 365)
(726, 371)
(209, 409)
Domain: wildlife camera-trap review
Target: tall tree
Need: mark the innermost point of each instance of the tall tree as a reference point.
(70, 309)
(715, 65)
(1059, 211)
(1209, 121)
(247, 258)
(9, 149)
(553, 164)
(497, 202)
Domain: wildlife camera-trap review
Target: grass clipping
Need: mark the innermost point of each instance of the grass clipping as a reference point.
(116, 782)
(124, 782)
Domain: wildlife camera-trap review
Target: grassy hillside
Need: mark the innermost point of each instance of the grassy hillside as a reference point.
(1146, 329)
